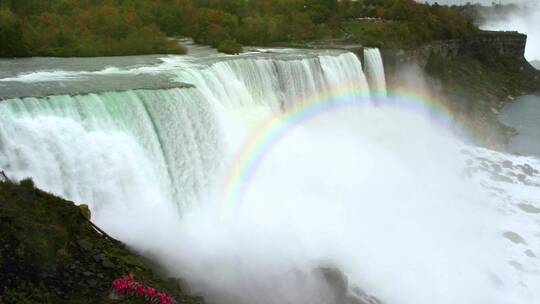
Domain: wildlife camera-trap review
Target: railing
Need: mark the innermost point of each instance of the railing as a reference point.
(3, 177)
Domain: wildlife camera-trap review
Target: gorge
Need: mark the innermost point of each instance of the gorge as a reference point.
(244, 174)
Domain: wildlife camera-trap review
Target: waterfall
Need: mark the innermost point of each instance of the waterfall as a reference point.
(377, 192)
(274, 83)
(87, 147)
(375, 70)
(171, 138)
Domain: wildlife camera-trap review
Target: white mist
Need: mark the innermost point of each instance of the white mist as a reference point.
(376, 191)
(524, 19)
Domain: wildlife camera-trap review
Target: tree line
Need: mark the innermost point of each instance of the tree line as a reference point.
(128, 27)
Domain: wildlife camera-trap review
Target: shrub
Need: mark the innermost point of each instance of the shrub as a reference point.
(230, 46)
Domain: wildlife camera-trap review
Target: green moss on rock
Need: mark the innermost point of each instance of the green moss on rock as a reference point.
(478, 89)
(474, 78)
(230, 46)
(49, 253)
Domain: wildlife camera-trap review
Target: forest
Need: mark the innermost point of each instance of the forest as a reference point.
(129, 27)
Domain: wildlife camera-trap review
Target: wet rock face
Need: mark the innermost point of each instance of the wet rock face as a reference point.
(493, 45)
(487, 46)
(503, 171)
(343, 292)
(514, 237)
(528, 208)
(49, 253)
(85, 211)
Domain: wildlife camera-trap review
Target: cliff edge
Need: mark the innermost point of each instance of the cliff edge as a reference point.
(51, 253)
(476, 77)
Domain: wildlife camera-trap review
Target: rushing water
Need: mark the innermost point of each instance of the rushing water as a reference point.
(377, 79)
(400, 205)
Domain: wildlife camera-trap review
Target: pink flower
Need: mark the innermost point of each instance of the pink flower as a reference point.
(121, 285)
(128, 285)
(163, 298)
(139, 289)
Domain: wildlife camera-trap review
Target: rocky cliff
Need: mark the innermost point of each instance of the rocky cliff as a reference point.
(51, 253)
(486, 46)
(474, 77)
(494, 45)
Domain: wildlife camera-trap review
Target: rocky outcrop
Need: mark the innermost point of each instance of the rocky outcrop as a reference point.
(51, 253)
(494, 45)
(474, 78)
(396, 58)
(485, 46)
(344, 293)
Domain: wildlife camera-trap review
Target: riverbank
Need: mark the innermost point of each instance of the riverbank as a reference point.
(51, 253)
(477, 90)
(475, 78)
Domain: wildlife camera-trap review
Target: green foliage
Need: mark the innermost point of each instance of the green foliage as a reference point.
(27, 293)
(27, 183)
(11, 34)
(128, 27)
(230, 46)
(87, 28)
(400, 23)
(51, 254)
(405, 23)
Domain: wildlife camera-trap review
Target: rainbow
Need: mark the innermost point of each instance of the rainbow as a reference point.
(273, 129)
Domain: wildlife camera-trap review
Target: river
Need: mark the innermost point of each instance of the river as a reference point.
(245, 174)
(523, 114)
